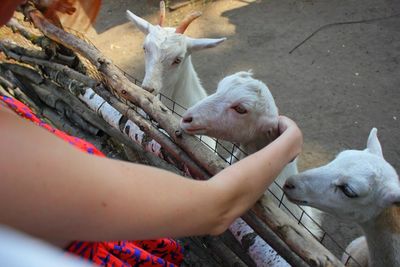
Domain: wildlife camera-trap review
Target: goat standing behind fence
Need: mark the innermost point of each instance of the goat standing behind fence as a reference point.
(362, 187)
(243, 111)
(169, 68)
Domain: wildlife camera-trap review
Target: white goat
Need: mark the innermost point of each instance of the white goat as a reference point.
(243, 111)
(358, 186)
(169, 68)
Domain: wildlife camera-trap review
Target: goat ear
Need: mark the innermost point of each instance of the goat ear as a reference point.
(203, 43)
(373, 144)
(140, 23)
(245, 74)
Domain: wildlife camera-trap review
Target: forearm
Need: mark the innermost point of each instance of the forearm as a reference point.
(248, 179)
(52, 190)
(79, 196)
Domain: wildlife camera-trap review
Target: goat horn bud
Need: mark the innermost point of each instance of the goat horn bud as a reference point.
(186, 21)
(162, 13)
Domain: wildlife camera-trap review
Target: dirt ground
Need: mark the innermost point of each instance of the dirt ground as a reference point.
(336, 86)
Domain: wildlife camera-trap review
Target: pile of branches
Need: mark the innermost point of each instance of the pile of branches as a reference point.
(70, 84)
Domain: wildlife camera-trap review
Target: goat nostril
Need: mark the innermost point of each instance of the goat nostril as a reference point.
(289, 186)
(188, 119)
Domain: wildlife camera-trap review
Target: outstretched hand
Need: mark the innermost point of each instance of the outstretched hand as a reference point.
(288, 126)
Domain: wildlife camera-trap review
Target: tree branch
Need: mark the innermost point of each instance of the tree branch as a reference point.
(45, 63)
(179, 155)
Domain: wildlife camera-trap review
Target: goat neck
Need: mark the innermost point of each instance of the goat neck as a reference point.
(383, 238)
(188, 89)
(261, 139)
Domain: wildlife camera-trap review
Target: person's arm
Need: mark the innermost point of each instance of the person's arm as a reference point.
(52, 190)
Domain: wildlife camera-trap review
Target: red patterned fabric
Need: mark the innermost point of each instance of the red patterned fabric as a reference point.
(25, 112)
(160, 252)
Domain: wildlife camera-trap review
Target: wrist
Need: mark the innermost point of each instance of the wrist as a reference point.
(294, 139)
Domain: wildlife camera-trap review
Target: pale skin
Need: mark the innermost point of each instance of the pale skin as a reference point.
(58, 193)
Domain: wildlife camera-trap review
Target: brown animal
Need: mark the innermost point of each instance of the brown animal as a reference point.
(75, 14)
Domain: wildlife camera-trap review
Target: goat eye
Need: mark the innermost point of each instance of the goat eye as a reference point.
(348, 191)
(239, 109)
(177, 61)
